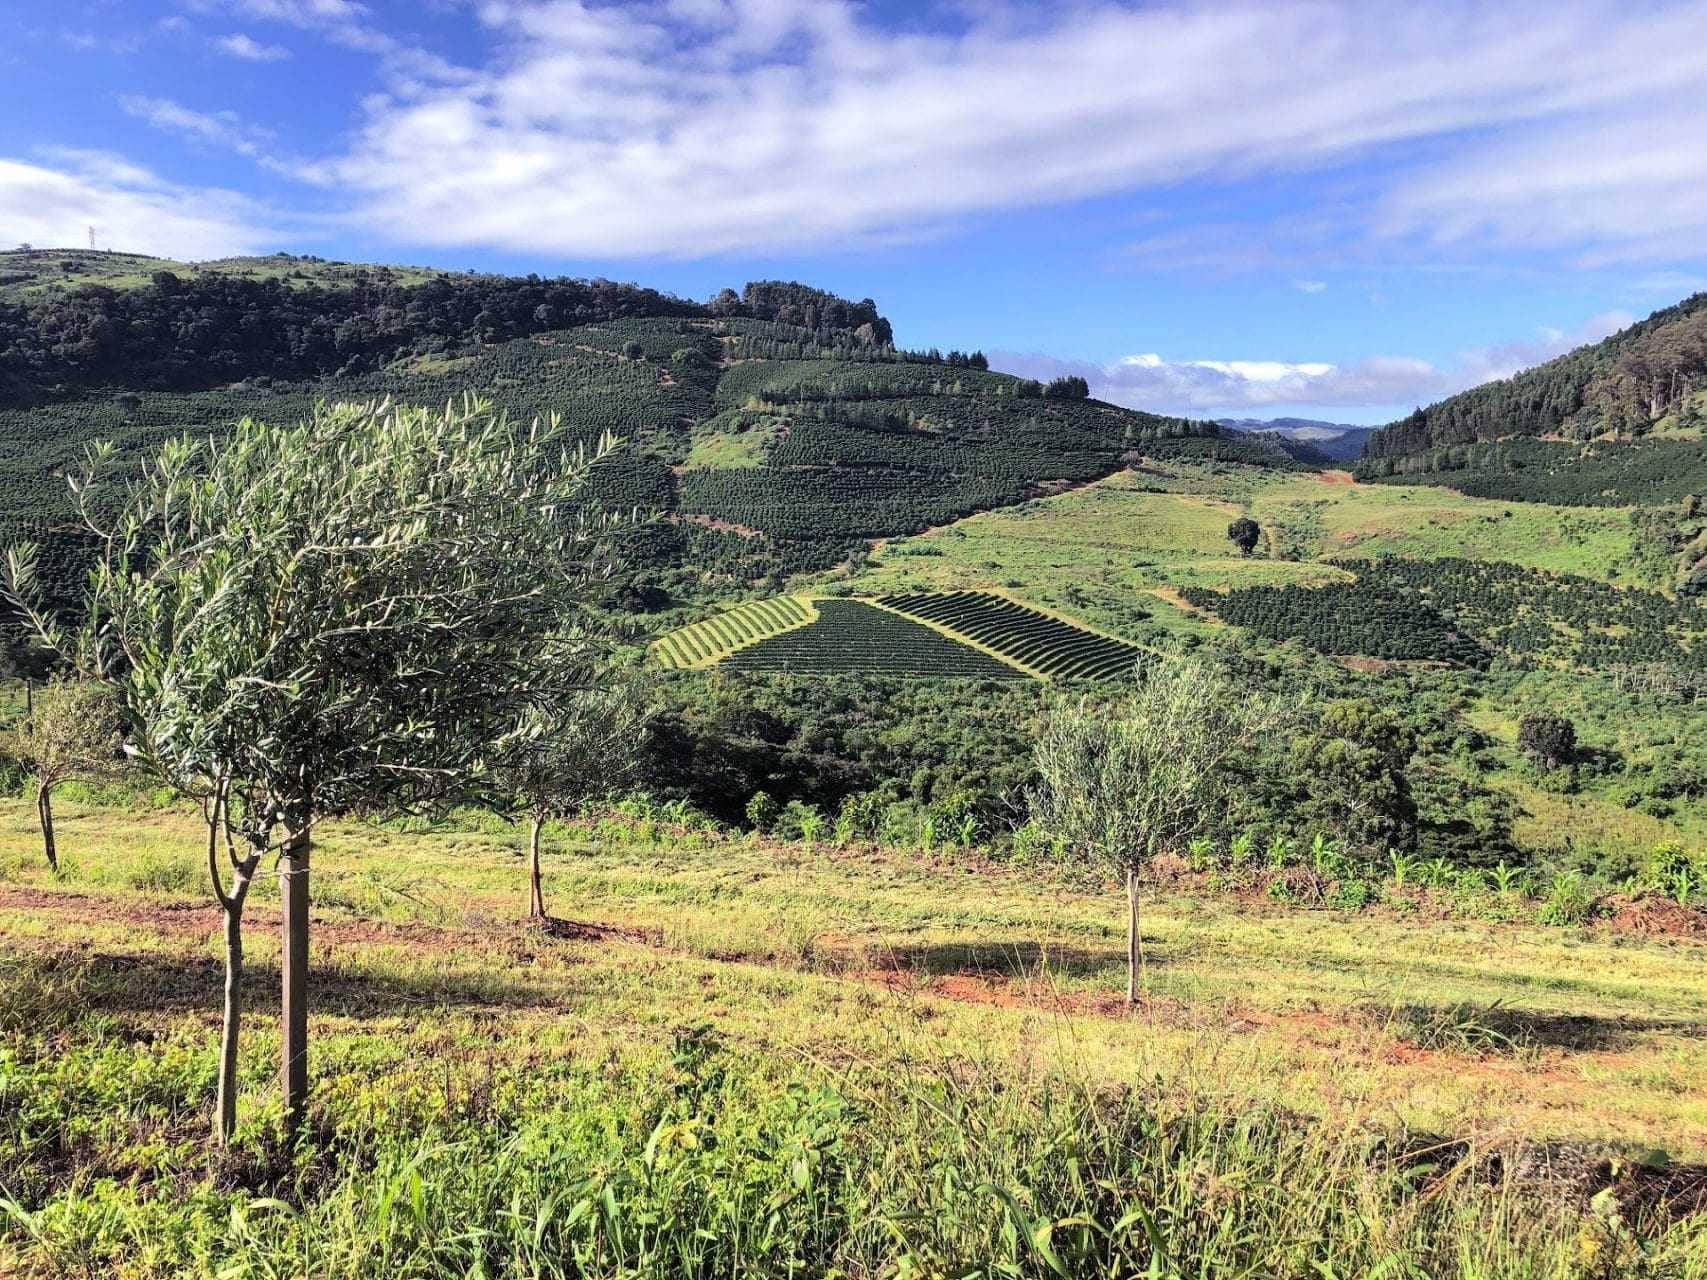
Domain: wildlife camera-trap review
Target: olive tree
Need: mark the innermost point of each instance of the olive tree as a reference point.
(560, 757)
(1121, 780)
(345, 616)
(74, 729)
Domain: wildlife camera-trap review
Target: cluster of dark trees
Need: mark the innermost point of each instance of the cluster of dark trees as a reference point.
(1067, 387)
(797, 304)
(1365, 617)
(1621, 385)
(1550, 617)
(1465, 611)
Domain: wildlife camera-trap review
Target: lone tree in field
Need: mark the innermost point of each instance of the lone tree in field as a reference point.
(74, 730)
(561, 757)
(1124, 780)
(1547, 739)
(1244, 533)
(346, 616)
(1353, 764)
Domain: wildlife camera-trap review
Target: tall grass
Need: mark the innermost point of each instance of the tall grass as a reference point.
(699, 1163)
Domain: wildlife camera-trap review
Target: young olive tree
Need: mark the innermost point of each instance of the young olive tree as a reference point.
(585, 745)
(1122, 780)
(346, 616)
(74, 729)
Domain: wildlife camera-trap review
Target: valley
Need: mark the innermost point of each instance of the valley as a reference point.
(820, 982)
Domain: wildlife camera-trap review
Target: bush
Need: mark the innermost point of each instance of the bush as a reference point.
(1570, 900)
(762, 812)
(798, 821)
(1676, 872)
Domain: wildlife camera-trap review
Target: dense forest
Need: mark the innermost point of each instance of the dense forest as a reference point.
(1622, 386)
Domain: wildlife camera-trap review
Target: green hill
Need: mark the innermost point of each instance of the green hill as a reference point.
(774, 431)
(1640, 381)
(1617, 423)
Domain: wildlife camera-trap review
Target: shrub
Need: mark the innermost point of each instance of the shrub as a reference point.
(762, 812)
(1354, 894)
(797, 820)
(1675, 871)
(1570, 900)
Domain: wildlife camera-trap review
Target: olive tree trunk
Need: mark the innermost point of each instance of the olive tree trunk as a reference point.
(536, 896)
(1134, 944)
(225, 1122)
(44, 811)
(293, 977)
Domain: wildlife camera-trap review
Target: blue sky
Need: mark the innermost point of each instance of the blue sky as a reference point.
(1217, 209)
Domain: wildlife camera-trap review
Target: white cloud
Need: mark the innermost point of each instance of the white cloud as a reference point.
(222, 129)
(1211, 388)
(1310, 286)
(1625, 189)
(247, 48)
(695, 127)
(129, 207)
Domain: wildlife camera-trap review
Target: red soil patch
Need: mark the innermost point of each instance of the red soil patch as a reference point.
(179, 918)
(1649, 917)
(1336, 477)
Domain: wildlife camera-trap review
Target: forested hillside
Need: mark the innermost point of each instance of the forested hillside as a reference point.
(1640, 379)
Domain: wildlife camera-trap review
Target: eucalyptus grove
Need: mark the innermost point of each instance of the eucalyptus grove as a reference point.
(350, 615)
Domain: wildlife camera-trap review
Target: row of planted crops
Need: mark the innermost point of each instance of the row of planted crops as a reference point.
(851, 635)
(1043, 643)
(973, 634)
(722, 634)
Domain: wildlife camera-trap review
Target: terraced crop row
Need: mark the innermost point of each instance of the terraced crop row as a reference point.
(851, 635)
(1042, 642)
(702, 643)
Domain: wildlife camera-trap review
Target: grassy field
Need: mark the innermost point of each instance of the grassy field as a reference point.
(1322, 515)
(1114, 552)
(1098, 553)
(966, 1014)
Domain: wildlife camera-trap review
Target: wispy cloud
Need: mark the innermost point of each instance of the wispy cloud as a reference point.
(1208, 387)
(224, 129)
(55, 202)
(1310, 286)
(248, 49)
(351, 26)
(669, 128)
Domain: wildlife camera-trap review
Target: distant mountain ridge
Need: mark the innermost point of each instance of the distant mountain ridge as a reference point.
(1338, 441)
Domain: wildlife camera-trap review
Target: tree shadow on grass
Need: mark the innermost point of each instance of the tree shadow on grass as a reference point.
(1498, 1028)
(127, 983)
(1005, 958)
